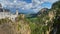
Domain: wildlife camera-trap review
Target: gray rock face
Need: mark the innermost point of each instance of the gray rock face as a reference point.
(0, 5)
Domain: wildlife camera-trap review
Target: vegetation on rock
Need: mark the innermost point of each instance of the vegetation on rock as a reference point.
(45, 22)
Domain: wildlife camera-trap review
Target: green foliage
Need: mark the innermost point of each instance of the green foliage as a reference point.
(6, 20)
(56, 5)
(34, 28)
(38, 24)
(19, 26)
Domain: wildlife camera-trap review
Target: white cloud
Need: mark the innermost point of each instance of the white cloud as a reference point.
(15, 1)
(52, 1)
(39, 2)
(28, 6)
(23, 8)
(36, 4)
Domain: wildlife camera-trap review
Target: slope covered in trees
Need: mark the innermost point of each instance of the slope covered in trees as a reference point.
(47, 21)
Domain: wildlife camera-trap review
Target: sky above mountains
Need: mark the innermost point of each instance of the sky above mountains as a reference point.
(27, 6)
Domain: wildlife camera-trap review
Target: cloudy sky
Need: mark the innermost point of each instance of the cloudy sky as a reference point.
(27, 6)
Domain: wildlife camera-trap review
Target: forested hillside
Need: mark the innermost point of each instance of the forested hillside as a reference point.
(46, 21)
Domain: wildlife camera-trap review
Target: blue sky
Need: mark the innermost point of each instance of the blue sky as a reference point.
(27, 6)
(28, 1)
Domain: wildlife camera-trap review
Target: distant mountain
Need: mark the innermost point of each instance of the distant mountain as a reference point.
(42, 11)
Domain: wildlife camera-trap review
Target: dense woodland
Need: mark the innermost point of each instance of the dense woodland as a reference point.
(46, 21)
